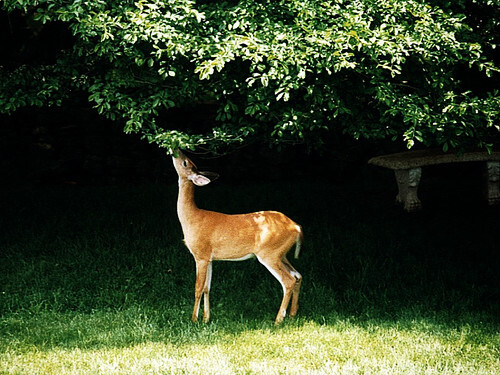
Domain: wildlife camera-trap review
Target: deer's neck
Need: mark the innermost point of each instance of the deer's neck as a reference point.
(186, 206)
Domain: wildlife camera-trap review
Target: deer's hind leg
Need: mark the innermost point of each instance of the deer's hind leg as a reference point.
(283, 274)
(296, 290)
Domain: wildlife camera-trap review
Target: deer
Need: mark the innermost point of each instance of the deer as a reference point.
(211, 236)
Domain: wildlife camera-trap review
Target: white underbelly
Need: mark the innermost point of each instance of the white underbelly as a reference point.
(245, 257)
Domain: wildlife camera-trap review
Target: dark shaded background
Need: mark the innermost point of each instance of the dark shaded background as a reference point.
(73, 145)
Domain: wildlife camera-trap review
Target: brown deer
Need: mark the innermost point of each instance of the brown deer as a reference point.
(209, 236)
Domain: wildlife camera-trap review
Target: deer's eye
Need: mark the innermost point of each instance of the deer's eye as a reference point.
(185, 163)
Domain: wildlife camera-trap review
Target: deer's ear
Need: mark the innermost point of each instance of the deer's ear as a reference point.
(199, 180)
(212, 176)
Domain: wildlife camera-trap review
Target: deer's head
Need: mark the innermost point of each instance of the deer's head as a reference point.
(188, 171)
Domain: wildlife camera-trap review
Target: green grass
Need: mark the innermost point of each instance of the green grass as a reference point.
(96, 280)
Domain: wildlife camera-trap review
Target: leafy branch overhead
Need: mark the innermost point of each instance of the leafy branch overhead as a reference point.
(280, 71)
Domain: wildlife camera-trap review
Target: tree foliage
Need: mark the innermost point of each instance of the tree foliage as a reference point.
(282, 71)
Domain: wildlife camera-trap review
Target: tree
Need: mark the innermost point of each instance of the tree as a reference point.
(279, 71)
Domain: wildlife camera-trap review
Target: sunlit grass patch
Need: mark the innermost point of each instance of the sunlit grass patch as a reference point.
(301, 347)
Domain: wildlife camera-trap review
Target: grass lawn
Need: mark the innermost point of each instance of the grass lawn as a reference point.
(96, 280)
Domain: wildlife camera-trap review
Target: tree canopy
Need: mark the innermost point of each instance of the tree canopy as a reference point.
(280, 71)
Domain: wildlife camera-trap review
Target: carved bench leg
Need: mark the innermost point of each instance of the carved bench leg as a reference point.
(408, 180)
(493, 182)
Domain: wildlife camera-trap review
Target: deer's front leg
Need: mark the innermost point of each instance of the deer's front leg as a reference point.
(201, 281)
(206, 291)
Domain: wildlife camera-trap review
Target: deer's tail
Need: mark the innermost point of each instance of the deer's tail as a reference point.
(299, 241)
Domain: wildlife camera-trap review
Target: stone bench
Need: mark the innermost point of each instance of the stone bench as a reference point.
(408, 165)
